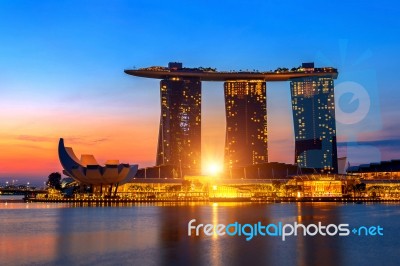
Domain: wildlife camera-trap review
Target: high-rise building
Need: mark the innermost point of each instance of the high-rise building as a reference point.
(246, 141)
(179, 140)
(313, 107)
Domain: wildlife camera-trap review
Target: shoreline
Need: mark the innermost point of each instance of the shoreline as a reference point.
(253, 200)
(12, 201)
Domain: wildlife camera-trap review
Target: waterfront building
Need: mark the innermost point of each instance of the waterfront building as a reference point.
(382, 188)
(179, 139)
(322, 188)
(378, 170)
(246, 141)
(313, 107)
(317, 185)
(342, 165)
(271, 170)
(87, 171)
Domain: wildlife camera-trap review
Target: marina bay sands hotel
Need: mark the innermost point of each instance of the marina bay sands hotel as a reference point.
(246, 142)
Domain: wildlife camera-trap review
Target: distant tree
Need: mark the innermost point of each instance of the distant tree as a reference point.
(186, 184)
(358, 188)
(54, 180)
(276, 185)
(361, 187)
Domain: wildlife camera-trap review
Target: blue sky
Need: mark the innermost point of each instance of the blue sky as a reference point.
(62, 62)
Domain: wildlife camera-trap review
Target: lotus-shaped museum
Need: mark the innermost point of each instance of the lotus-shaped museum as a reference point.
(88, 171)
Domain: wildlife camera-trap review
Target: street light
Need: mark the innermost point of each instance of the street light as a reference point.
(180, 168)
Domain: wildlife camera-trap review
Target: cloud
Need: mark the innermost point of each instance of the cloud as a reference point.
(85, 140)
(35, 138)
(81, 140)
(388, 143)
(393, 129)
(359, 152)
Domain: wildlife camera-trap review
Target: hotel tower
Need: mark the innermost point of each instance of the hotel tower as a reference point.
(179, 139)
(246, 123)
(313, 107)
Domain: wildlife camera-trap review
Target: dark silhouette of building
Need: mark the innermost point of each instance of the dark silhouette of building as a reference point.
(246, 123)
(377, 170)
(313, 106)
(271, 170)
(179, 140)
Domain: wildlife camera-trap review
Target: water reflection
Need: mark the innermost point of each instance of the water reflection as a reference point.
(156, 234)
(316, 249)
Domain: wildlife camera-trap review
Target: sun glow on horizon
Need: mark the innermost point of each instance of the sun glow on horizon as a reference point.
(213, 169)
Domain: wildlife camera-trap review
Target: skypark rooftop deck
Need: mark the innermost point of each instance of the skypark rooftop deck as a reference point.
(209, 74)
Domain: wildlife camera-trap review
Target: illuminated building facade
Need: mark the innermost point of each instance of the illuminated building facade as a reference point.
(246, 116)
(313, 107)
(88, 171)
(323, 188)
(179, 140)
(379, 170)
(246, 123)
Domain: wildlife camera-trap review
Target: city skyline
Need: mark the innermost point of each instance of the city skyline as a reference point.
(62, 75)
(246, 134)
